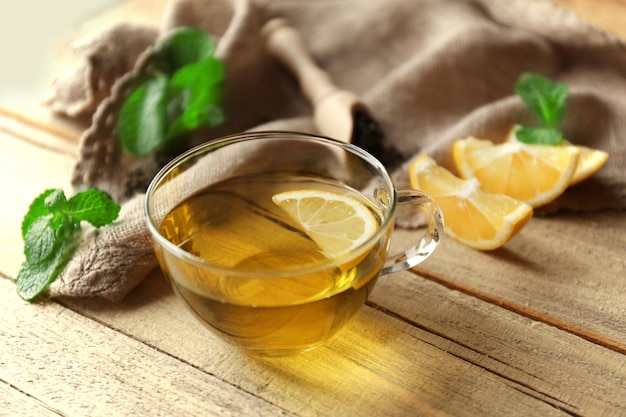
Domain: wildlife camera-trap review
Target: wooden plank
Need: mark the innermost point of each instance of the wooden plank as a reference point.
(71, 365)
(606, 14)
(16, 403)
(419, 349)
(565, 270)
(581, 377)
(32, 161)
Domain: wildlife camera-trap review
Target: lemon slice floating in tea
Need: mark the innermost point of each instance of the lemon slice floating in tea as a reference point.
(535, 174)
(474, 217)
(337, 223)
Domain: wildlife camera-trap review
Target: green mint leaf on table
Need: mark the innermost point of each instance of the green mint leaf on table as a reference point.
(49, 233)
(55, 200)
(183, 94)
(35, 277)
(46, 236)
(549, 101)
(37, 209)
(92, 206)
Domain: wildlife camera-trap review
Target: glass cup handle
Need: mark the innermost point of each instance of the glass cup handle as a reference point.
(429, 240)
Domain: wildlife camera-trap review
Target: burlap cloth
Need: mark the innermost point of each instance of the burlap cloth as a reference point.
(430, 71)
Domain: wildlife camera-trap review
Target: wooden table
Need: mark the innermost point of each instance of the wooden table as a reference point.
(537, 328)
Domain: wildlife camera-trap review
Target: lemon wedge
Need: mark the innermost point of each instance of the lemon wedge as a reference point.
(535, 174)
(589, 162)
(474, 217)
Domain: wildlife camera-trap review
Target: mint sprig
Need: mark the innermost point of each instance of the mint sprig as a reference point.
(539, 135)
(182, 93)
(548, 100)
(49, 231)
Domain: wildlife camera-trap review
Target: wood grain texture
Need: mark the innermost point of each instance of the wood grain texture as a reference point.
(78, 367)
(565, 270)
(606, 14)
(393, 366)
(574, 374)
(32, 161)
(14, 402)
(418, 349)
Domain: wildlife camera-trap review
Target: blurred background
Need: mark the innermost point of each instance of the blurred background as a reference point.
(31, 35)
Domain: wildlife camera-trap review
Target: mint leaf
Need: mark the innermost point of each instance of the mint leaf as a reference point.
(546, 98)
(49, 233)
(92, 206)
(182, 94)
(199, 87)
(142, 121)
(55, 200)
(539, 135)
(187, 46)
(200, 83)
(36, 209)
(35, 277)
(46, 235)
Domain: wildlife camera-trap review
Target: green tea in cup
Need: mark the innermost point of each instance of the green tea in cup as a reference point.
(275, 240)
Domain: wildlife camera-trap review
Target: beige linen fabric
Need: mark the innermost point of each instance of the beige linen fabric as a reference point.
(430, 71)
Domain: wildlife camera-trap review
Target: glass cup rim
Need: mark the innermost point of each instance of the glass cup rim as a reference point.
(221, 142)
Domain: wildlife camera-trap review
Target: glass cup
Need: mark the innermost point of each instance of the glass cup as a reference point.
(251, 272)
